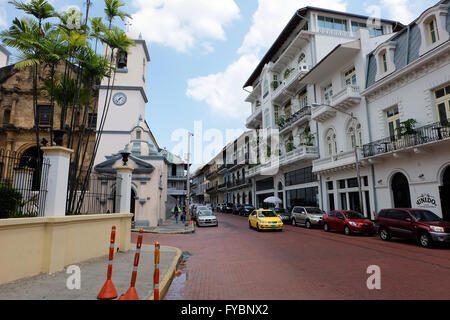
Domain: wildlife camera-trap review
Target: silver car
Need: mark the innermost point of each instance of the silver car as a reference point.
(206, 218)
(307, 216)
(196, 211)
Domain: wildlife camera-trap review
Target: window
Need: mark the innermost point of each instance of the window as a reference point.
(301, 58)
(350, 77)
(433, 31)
(287, 109)
(393, 121)
(303, 99)
(331, 143)
(44, 116)
(138, 135)
(332, 23)
(357, 25)
(442, 102)
(376, 32)
(92, 120)
(300, 176)
(7, 116)
(122, 59)
(327, 93)
(330, 185)
(384, 61)
(355, 141)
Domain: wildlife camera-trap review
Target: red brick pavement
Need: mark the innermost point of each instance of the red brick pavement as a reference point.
(234, 262)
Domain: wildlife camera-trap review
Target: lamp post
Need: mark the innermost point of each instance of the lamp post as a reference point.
(358, 171)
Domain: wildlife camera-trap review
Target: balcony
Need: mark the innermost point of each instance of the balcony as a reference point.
(255, 120)
(416, 141)
(176, 192)
(177, 178)
(341, 161)
(346, 98)
(222, 186)
(301, 116)
(290, 85)
(301, 153)
(322, 113)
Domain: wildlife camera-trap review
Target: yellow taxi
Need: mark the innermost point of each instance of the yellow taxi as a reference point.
(264, 219)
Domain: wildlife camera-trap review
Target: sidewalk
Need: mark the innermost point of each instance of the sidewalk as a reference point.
(169, 227)
(93, 276)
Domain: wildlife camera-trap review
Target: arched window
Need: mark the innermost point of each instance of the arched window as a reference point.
(7, 116)
(355, 139)
(331, 142)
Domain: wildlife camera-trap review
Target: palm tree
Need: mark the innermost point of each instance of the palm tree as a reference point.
(112, 11)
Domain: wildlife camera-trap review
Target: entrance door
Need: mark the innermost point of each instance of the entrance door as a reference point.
(444, 191)
(400, 191)
(133, 203)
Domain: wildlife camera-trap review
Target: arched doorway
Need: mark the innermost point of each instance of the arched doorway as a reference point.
(400, 191)
(444, 192)
(29, 159)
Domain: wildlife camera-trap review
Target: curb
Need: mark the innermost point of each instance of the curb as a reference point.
(164, 285)
(162, 232)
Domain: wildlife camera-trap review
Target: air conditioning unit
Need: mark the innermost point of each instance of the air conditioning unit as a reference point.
(303, 67)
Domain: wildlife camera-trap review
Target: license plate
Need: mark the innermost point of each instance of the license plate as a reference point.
(273, 226)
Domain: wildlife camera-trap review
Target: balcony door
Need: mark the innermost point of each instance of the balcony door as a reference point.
(442, 96)
(393, 121)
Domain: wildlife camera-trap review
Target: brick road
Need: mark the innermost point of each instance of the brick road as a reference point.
(234, 262)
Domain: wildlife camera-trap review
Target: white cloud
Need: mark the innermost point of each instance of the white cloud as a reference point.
(183, 24)
(272, 16)
(3, 16)
(223, 91)
(399, 10)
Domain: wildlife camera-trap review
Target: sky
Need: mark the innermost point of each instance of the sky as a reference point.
(203, 51)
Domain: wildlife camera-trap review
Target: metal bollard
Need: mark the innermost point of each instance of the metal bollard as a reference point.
(156, 274)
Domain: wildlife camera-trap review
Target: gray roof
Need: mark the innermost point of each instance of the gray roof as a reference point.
(408, 43)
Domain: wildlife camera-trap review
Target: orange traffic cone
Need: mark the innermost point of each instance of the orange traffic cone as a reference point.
(108, 290)
(131, 293)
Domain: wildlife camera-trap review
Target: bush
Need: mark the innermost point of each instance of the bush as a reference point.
(10, 201)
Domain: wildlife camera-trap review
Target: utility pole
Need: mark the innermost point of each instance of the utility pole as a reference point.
(188, 173)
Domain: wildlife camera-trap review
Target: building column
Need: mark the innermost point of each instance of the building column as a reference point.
(57, 181)
(123, 189)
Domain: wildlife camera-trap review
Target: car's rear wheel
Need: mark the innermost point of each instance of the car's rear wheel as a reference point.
(308, 224)
(325, 227)
(294, 223)
(384, 234)
(425, 240)
(347, 231)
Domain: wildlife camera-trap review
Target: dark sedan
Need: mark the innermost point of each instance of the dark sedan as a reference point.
(284, 214)
(246, 210)
(227, 208)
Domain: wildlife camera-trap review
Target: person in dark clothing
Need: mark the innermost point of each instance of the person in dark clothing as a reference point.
(176, 213)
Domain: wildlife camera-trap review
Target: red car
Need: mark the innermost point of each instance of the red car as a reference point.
(419, 224)
(347, 221)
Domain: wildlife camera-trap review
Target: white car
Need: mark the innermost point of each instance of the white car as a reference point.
(206, 218)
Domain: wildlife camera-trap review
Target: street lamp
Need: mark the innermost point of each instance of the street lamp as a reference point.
(354, 122)
(188, 172)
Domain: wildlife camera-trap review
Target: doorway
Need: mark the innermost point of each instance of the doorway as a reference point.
(400, 191)
(444, 192)
(133, 204)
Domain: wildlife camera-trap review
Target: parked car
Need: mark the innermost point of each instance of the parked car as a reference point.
(348, 221)
(219, 207)
(246, 210)
(284, 214)
(306, 216)
(228, 208)
(197, 209)
(237, 208)
(419, 224)
(206, 218)
(264, 219)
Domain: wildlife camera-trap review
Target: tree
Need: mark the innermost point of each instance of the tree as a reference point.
(62, 53)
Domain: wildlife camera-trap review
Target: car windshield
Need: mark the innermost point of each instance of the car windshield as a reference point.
(266, 214)
(424, 215)
(314, 210)
(202, 208)
(249, 207)
(205, 213)
(353, 215)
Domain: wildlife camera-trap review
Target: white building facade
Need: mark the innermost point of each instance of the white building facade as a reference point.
(281, 99)
(408, 107)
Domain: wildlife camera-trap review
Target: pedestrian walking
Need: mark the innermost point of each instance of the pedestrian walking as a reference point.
(183, 215)
(176, 213)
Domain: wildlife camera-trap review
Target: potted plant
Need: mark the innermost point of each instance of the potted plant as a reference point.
(280, 121)
(406, 131)
(258, 103)
(274, 84)
(287, 73)
(290, 146)
(307, 137)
